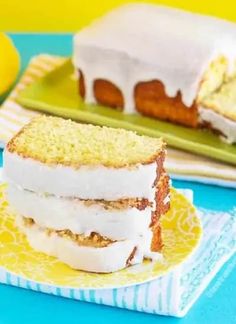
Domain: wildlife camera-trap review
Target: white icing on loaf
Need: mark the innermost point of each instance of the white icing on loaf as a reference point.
(75, 215)
(86, 182)
(143, 42)
(112, 258)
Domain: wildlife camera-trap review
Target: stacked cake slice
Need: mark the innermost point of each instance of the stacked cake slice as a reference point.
(91, 196)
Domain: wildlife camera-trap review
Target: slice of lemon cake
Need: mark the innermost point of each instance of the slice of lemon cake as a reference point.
(85, 193)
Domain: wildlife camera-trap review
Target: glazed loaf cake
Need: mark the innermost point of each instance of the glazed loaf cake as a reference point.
(85, 193)
(163, 63)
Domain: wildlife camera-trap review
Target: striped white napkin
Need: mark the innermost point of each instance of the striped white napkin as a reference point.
(180, 165)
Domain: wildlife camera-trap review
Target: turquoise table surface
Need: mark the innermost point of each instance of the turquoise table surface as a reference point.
(216, 305)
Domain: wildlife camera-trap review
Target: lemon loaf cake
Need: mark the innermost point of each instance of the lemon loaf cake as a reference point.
(85, 193)
(184, 74)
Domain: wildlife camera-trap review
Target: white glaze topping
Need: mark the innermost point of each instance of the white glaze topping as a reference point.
(79, 257)
(225, 125)
(79, 217)
(107, 259)
(142, 42)
(86, 182)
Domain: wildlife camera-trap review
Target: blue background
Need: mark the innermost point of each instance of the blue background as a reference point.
(216, 305)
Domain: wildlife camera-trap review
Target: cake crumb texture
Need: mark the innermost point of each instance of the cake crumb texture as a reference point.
(54, 140)
(223, 101)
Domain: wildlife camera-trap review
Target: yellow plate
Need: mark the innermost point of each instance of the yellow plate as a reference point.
(181, 235)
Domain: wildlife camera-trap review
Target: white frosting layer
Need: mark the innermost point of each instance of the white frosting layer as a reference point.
(86, 182)
(219, 122)
(107, 259)
(75, 215)
(142, 42)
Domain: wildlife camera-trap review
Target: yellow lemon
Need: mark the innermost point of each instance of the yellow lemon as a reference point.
(9, 63)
